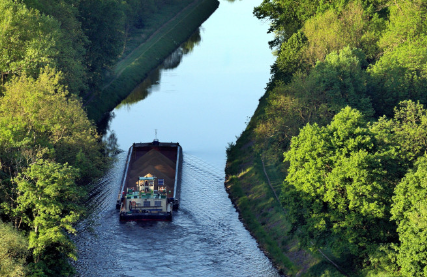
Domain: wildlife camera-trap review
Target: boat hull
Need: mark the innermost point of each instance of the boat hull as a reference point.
(151, 182)
(145, 217)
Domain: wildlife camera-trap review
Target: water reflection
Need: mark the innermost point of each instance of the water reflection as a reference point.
(153, 80)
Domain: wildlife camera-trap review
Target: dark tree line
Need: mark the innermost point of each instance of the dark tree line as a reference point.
(82, 39)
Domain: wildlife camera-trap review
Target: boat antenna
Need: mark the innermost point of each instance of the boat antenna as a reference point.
(155, 135)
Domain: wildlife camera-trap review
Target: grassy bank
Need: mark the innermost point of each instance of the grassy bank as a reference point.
(255, 196)
(153, 47)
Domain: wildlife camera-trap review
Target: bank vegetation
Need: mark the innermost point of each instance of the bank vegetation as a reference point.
(56, 60)
(340, 138)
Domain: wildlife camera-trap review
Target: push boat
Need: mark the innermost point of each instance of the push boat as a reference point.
(151, 182)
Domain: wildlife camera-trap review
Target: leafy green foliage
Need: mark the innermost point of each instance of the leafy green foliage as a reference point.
(333, 30)
(38, 119)
(410, 212)
(333, 84)
(103, 24)
(344, 189)
(344, 186)
(287, 16)
(406, 132)
(341, 81)
(27, 41)
(48, 203)
(401, 72)
(48, 150)
(291, 57)
(71, 42)
(338, 173)
(13, 251)
(406, 23)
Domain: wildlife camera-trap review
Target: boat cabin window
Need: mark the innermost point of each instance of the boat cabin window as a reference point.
(157, 203)
(146, 203)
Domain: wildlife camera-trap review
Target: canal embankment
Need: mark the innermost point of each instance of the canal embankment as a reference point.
(145, 57)
(259, 210)
(254, 182)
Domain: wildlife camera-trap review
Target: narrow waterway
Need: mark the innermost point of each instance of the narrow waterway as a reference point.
(202, 98)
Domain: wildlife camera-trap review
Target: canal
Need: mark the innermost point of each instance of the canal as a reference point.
(201, 97)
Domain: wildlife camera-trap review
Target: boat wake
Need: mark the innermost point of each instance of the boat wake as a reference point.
(205, 237)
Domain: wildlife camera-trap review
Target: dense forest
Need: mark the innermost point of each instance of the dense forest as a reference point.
(53, 55)
(346, 106)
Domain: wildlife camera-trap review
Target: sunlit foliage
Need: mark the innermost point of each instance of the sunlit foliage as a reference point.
(48, 203)
(48, 151)
(354, 178)
(13, 252)
(410, 212)
(39, 119)
(344, 187)
(401, 73)
(27, 39)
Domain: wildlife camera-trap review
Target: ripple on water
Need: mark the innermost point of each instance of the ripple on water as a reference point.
(205, 238)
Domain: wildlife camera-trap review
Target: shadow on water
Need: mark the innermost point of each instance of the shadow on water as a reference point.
(149, 85)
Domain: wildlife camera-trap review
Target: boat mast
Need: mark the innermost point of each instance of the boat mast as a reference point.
(156, 140)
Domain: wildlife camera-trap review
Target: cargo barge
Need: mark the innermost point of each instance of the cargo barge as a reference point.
(151, 182)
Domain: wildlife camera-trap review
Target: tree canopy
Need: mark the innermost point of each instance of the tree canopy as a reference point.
(48, 202)
(338, 170)
(28, 39)
(345, 104)
(410, 212)
(357, 186)
(49, 151)
(42, 110)
(13, 251)
(400, 73)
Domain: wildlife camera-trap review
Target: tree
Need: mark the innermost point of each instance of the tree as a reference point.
(38, 118)
(27, 41)
(332, 84)
(406, 133)
(313, 97)
(71, 42)
(287, 17)
(342, 181)
(340, 80)
(48, 202)
(13, 251)
(406, 23)
(344, 185)
(103, 24)
(291, 57)
(333, 30)
(410, 212)
(401, 74)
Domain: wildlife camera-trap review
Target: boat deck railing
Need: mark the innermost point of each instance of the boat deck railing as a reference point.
(145, 196)
(139, 207)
